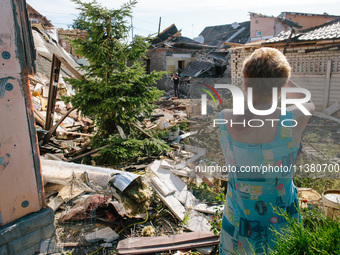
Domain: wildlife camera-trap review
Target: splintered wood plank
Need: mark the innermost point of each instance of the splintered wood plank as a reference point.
(147, 245)
(55, 203)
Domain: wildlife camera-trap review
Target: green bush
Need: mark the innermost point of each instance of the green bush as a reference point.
(315, 235)
(125, 151)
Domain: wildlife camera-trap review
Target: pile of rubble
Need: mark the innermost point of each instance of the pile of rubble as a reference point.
(132, 209)
(102, 208)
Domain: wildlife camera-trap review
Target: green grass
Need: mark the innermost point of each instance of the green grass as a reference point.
(315, 235)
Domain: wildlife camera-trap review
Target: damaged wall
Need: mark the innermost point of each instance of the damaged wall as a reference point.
(157, 60)
(66, 35)
(167, 59)
(21, 190)
(20, 179)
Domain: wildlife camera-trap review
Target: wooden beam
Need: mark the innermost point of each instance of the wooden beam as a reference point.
(149, 245)
(140, 129)
(64, 62)
(69, 67)
(52, 93)
(323, 48)
(54, 128)
(232, 44)
(87, 153)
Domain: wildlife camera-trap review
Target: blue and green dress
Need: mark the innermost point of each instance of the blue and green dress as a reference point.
(248, 216)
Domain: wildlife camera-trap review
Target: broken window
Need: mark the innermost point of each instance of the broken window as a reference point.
(181, 65)
(258, 33)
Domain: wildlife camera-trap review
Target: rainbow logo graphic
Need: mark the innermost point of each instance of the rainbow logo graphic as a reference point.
(204, 98)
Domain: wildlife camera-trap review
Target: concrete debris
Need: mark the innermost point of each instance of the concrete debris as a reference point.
(78, 192)
(106, 245)
(106, 234)
(326, 116)
(332, 109)
(181, 201)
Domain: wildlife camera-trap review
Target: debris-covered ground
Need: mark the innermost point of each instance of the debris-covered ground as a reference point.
(97, 214)
(103, 210)
(150, 202)
(89, 200)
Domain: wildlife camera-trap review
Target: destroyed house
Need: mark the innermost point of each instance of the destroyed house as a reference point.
(314, 56)
(47, 42)
(211, 65)
(36, 18)
(231, 33)
(46, 46)
(65, 36)
(172, 54)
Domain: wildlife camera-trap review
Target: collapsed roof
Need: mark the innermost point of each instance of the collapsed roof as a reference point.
(235, 33)
(197, 67)
(171, 37)
(46, 44)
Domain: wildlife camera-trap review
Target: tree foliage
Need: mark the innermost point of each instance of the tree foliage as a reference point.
(116, 89)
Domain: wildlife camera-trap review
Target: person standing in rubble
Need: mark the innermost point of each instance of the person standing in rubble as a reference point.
(252, 198)
(176, 80)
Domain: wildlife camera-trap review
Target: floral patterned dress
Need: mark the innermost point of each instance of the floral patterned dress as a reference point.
(249, 216)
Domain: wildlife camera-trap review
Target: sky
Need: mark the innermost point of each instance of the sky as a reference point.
(191, 16)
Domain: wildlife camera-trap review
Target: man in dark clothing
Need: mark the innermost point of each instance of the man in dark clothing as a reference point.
(176, 80)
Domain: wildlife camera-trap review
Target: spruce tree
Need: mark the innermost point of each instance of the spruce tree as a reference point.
(116, 90)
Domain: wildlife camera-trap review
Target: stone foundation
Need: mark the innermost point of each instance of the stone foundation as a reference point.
(23, 236)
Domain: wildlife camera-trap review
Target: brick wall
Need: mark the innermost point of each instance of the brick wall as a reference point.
(157, 59)
(66, 35)
(264, 24)
(308, 70)
(23, 237)
(308, 21)
(161, 59)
